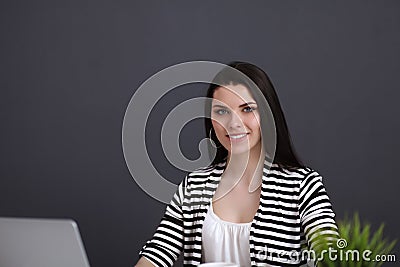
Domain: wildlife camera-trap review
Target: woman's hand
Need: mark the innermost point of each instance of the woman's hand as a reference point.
(143, 262)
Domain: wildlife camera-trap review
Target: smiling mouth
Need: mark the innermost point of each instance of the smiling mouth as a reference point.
(237, 136)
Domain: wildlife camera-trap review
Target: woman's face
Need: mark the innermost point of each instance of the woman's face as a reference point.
(235, 119)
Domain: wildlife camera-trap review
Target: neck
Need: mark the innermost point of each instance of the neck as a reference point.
(248, 166)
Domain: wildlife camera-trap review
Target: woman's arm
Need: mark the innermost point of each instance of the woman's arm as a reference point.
(167, 242)
(316, 213)
(143, 262)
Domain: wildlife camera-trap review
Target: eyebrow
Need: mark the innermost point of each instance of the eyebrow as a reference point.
(242, 105)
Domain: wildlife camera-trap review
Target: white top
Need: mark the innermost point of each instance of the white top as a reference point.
(225, 241)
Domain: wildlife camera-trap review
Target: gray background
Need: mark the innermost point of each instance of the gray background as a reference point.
(69, 69)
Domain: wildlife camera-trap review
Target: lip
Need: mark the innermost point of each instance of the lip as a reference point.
(237, 138)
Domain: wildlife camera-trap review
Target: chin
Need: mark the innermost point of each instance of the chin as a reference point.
(239, 151)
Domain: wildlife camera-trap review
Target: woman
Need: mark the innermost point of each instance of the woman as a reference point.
(256, 204)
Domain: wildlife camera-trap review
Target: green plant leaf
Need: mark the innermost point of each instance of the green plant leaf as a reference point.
(360, 237)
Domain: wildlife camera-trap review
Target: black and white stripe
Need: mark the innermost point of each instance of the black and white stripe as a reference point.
(294, 208)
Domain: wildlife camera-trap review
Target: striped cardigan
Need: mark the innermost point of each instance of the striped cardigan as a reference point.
(293, 207)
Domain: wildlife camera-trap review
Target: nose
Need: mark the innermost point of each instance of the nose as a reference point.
(235, 122)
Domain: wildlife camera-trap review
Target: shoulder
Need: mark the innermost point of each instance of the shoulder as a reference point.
(293, 175)
(203, 174)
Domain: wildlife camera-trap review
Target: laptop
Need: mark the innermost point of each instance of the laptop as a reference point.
(41, 243)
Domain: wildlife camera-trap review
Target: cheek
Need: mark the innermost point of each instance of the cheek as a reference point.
(254, 122)
(218, 127)
(221, 120)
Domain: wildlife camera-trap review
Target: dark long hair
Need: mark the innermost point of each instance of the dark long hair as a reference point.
(284, 152)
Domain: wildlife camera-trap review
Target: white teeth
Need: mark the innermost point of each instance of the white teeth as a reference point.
(237, 136)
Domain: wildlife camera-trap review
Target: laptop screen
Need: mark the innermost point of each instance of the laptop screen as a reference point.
(41, 243)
